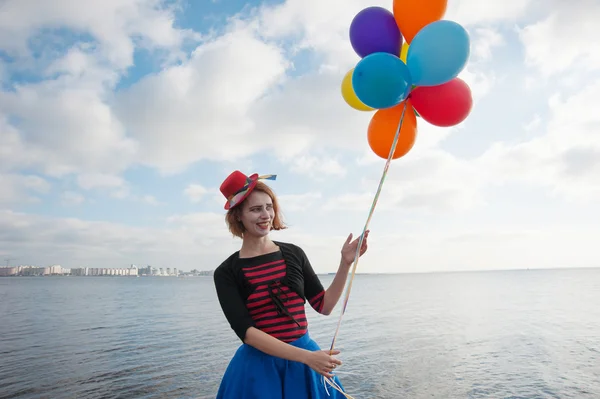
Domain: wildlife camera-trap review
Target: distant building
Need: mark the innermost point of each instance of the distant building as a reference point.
(31, 271)
(56, 270)
(80, 271)
(9, 271)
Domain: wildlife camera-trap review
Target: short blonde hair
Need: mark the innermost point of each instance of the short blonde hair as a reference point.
(236, 227)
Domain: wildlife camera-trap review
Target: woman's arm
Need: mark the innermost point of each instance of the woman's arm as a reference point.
(335, 289)
(274, 347)
(334, 292)
(240, 321)
(322, 362)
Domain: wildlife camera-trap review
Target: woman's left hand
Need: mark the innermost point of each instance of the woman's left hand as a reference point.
(349, 248)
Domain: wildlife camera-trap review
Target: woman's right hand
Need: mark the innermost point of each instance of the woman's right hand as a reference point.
(323, 362)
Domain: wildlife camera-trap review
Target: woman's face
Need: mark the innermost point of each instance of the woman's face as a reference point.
(257, 214)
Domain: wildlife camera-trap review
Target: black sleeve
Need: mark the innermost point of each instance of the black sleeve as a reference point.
(313, 288)
(232, 302)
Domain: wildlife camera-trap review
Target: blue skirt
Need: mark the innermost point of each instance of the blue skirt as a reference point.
(253, 374)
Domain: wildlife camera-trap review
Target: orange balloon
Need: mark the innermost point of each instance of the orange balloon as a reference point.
(412, 15)
(383, 127)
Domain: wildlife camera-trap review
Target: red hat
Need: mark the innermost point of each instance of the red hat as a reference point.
(237, 186)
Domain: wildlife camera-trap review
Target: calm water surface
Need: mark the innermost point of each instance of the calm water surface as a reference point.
(517, 334)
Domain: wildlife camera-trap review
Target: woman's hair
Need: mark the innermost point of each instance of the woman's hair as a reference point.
(236, 227)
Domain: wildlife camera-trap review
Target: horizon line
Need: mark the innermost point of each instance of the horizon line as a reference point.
(470, 271)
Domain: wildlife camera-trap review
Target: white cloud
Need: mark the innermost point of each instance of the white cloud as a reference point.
(323, 26)
(564, 40)
(565, 159)
(200, 222)
(430, 181)
(232, 99)
(114, 23)
(13, 151)
(195, 192)
(98, 180)
(299, 202)
(318, 167)
(72, 198)
(488, 248)
(487, 39)
(533, 124)
(225, 102)
(201, 241)
(200, 109)
(117, 187)
(66, 127)
(473, 12)
(64, 123)
(15, 189)
(150, 200)
(187, 244)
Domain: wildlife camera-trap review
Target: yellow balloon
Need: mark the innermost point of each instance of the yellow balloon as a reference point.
(404, 51)
(349, 94)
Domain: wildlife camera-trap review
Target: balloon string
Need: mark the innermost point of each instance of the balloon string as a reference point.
(356, 256)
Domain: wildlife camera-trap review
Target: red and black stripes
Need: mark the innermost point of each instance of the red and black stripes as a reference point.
(270, 290)
(265, 272)
(275, 308)
(317, 301)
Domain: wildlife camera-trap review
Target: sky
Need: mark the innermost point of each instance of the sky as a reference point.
(119, 120)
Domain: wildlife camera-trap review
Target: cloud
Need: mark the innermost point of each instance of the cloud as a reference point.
(318, 167)
(115, 185)
(268, 90)
(556, 44)
(323, 26)
(68, 128)
(185, 242)
(98, 180)
(230, 99)
(15, 189)
(431, 181)
(475, 12)
(195, 192)
(200, 109)
(113, 24)
(487, 39)
(562, 156)
(61, 122)
(565, 158)
(13, 151)
(299, 202)
(150, 200)
(72, 198)
(194, 241)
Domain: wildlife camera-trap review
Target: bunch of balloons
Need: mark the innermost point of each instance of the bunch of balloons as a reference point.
(411, 57)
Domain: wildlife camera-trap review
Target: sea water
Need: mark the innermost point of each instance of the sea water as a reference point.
(506, 334)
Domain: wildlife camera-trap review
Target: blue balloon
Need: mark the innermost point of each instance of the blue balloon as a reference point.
(438, 53)
(381, 80)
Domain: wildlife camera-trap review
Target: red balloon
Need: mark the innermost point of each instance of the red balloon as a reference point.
(444, 105)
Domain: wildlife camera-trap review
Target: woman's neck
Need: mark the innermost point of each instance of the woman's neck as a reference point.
(254, 246)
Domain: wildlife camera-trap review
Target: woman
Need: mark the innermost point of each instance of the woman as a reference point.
(262, 289)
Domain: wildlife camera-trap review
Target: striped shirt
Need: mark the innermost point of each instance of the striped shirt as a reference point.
(275, 289)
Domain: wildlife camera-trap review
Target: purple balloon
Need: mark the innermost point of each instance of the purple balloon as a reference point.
(374, 30)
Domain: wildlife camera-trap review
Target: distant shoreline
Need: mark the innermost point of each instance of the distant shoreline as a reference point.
(333, 274)
(532, 269)
(100, 275)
